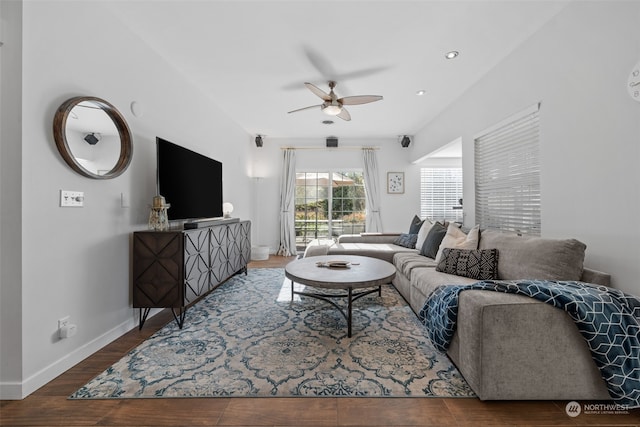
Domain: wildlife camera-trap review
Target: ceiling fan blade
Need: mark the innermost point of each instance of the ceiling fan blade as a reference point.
(319, 92)
(320, 63)
(356, 100)
(305, 108)
(344, 114)
(350, 75)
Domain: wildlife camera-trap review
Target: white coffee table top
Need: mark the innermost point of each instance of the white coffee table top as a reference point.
(363, 272)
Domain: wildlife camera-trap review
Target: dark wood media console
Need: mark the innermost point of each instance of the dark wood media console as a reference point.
(174, 269)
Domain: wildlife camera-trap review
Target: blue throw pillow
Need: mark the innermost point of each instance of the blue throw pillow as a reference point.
(415, 225)
(406, 240)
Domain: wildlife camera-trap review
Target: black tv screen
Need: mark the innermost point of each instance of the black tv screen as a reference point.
(190, 182)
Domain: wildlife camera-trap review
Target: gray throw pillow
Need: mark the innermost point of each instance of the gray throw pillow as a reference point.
(472, 263)
(434, 238)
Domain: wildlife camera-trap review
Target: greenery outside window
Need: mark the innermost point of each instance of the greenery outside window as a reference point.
(328, 204)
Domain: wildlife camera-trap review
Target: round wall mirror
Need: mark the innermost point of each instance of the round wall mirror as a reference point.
(92, 137)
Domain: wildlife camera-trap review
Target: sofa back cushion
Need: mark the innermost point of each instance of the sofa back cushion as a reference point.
(530, 257)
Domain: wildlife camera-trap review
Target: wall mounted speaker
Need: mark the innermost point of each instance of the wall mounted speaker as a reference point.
(332, 141)
(405, 141)
(259, 141)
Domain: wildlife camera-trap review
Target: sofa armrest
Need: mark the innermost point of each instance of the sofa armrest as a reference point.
(595, 277)
(368, 238)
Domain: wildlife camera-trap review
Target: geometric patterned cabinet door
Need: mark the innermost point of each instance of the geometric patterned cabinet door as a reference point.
(174, 269)
(197, 265)
(219, 252)
(239, 245)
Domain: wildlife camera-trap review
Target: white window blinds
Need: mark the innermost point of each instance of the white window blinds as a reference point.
(440, 193)
(507, 175)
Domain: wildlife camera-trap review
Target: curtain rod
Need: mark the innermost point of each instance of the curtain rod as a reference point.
(330, 148)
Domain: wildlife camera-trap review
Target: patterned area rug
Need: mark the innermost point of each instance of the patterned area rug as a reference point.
(248, 338)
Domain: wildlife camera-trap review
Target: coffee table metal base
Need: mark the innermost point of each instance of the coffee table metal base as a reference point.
(350, 295)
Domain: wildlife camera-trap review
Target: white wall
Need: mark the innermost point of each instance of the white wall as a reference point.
(76, 261)
(396, 210)
(577, 67)
(10, 200)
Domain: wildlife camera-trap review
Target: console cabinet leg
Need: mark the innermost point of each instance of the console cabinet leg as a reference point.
(143, 317)
(182, 312)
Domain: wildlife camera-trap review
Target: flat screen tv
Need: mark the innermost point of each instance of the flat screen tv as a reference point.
(190, 182)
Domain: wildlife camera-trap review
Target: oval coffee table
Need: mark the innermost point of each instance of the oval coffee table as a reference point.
(362, 272)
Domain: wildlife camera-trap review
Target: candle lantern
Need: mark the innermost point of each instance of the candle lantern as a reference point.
(158, 219)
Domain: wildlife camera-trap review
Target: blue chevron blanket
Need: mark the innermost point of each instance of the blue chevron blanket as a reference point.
(608, 319)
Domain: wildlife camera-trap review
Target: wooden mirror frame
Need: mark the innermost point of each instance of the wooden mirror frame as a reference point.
(60, 137)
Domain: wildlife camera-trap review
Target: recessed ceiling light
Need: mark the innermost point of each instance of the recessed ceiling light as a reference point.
(327, 122)
(421, 92)
(452, 54)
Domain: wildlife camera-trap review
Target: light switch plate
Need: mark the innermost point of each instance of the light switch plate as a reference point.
(71, 198)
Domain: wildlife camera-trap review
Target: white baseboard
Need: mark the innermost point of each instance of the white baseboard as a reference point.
(10, 391)
(18, 391)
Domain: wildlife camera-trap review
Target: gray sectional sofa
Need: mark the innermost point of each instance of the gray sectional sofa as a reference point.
(507, 347)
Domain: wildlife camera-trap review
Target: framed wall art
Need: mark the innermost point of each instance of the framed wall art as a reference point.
(395, 182)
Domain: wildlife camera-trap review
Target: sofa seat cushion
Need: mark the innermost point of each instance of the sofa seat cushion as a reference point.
(530, 257)
(384, 251)
(405, 262)
(426, 280)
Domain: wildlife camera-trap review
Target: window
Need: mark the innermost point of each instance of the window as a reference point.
(328, 204)
(507, 175)
(440, 193)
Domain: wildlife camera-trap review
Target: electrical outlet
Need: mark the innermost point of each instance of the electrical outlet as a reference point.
(71, 198)
(63, 322)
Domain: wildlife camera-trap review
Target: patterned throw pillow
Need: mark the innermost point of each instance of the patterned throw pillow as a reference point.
(476, 264)
(406, 240)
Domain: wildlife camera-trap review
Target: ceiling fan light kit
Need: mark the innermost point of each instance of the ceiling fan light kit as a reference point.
(333, 105)
(332, 110)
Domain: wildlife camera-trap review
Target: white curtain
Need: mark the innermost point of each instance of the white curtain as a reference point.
(372, 188)
(287, 204)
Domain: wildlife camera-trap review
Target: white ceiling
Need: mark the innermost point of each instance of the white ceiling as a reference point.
(252, 57)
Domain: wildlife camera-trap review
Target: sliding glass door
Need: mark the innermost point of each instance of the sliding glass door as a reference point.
(328, 204)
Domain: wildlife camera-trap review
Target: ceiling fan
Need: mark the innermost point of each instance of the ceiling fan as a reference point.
(333, 105)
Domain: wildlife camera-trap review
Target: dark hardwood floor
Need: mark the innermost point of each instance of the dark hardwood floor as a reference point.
(49, 406)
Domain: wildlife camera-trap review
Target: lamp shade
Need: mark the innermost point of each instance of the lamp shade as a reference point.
(227, 208)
